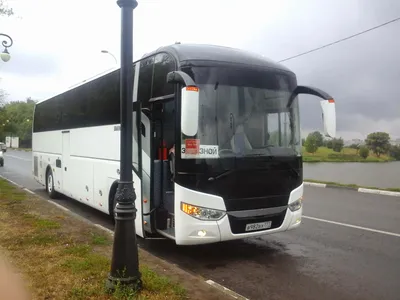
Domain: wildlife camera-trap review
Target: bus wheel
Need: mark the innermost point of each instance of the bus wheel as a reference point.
(113, 202)
(50, 184)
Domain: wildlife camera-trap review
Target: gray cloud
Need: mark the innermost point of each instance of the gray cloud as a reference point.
(361, 74)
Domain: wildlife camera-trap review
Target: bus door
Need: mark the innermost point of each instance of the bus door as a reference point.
(162, 183)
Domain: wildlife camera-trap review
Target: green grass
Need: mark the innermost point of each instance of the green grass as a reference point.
(353, 185)
(324, 154)
(64, 258)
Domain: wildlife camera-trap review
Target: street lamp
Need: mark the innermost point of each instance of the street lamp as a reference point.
(125, 257)
(5, 55)
(107, 52)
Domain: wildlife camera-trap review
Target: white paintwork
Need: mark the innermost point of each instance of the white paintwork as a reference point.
(92, 165)
(190, 111)
(329, 117)
(187, 227)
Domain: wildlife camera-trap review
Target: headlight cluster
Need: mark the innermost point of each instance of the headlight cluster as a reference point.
(202, 213)
(296, 205)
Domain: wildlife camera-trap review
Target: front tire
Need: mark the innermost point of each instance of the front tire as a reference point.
(50, 184)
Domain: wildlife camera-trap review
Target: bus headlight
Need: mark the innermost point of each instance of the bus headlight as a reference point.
(296, 205)
(202, 213)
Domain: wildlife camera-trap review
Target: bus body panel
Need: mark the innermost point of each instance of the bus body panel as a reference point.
(190, 231)
(91, 169)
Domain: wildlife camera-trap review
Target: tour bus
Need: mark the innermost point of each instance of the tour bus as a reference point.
(217, 151)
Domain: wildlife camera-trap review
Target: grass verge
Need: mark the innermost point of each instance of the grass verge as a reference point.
(325, 154)
(353, 185)
(64, 258)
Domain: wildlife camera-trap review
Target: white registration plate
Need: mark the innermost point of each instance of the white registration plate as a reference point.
(258, 226)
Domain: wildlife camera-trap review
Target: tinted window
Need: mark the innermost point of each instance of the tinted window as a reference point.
(74, 107)
(163, 64)
(145, 80)
(49, 116)
(103, 101)
(95, 103)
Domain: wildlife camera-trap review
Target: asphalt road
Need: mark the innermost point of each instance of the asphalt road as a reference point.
(320, 260)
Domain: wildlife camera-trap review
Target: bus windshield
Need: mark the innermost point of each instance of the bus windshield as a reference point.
(243, 113)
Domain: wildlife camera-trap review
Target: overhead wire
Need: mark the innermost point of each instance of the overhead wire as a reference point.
(340, 40)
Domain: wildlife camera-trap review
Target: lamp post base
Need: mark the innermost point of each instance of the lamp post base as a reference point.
(125, 259)
(133, 283)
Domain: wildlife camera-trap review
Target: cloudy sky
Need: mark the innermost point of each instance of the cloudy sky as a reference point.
(57, 44)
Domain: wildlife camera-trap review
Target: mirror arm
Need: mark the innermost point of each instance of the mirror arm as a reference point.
(302, 89)
(180, 77)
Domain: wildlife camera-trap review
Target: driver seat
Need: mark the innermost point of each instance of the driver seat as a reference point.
(239, 141)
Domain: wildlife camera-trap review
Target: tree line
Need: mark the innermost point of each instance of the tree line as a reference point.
(16, 120)
(375, 142)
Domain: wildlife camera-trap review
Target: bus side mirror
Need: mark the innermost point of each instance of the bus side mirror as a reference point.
(189, 101)
(329, 117)
(190, 110)
(327, 105)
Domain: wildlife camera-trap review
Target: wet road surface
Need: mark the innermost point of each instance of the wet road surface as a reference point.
(320, 260)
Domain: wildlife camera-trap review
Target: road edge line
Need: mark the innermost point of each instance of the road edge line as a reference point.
(359, 190)
(226, 290)
(353, 226)
(210, 282)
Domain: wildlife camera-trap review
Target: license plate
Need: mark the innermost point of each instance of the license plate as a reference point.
(258, 226)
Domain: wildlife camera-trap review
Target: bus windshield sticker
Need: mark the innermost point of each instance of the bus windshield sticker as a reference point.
(204, 151)
(192, 146)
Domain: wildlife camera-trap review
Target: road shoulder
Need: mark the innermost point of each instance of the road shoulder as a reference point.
(47, 224)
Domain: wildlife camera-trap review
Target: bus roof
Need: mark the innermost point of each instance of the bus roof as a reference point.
(205, 52)
(198, 52)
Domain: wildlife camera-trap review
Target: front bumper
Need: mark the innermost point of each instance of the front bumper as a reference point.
(191, 231)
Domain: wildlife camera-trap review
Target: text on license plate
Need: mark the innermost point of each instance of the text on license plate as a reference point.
(258, 226)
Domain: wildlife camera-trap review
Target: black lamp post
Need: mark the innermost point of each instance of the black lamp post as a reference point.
(5, 55)
(125, 258)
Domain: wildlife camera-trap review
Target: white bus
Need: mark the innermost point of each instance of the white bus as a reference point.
(237, 172)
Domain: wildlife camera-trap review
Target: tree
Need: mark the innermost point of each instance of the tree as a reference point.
(355, 146)
(329, 144)
(395, 152)
(363, 152)
(16, 119)
(4, 10)
(337, 144)
(311, 143)
(378, 142)
(318, 137)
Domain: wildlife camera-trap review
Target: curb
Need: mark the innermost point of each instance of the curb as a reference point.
(360, 190)
(209, 282)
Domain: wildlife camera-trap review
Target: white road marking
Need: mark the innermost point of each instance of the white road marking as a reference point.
(59, 206)
(379, 192)
(315, 184)
(353, 226)
(226, 290)
(17, 157)
(29, 191)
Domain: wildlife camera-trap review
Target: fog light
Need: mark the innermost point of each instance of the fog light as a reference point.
(201, 233)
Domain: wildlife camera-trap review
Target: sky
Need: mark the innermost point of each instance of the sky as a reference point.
(58, 43)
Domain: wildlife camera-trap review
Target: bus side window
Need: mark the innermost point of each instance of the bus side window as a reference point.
(163, 64)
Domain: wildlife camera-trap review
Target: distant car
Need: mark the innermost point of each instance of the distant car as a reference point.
(3, 147)
(1, 159)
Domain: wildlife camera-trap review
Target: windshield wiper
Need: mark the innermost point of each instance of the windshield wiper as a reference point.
(223, 174)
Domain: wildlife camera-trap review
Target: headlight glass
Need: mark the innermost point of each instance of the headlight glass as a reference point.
(296, 205)
(202, 213)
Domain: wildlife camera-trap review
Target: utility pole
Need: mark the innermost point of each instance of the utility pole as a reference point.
(125, 258)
